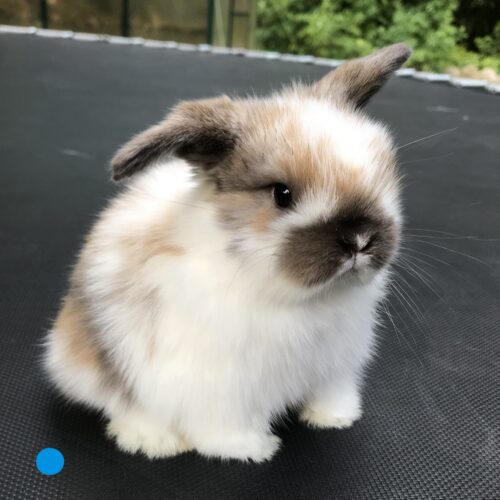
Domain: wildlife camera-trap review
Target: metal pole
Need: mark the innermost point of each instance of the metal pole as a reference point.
(44, 14)
(210, 22)
(230, 24)
(125, 18)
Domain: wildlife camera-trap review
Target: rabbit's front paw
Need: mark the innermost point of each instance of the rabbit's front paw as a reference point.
(333, 406)
(329, 419)
(253, 446)
(134, 435)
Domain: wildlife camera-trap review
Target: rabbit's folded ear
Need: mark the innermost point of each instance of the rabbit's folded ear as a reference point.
(202, 132)
(357, 80)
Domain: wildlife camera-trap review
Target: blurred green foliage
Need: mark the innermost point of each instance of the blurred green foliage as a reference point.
(489, 45)
(349, 28)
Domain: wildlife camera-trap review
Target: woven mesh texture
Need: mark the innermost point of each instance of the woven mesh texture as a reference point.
(432, 415)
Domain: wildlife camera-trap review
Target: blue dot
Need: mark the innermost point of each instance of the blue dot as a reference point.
(50, 461)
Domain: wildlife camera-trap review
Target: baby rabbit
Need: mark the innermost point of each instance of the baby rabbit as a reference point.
(238, 274)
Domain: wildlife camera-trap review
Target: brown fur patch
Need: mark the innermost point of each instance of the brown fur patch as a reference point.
(157, 241)
(262, 220)
(71, 327)
(239, 209)
(152, 240)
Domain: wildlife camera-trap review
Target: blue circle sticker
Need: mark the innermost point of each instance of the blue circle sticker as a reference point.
(50, 461)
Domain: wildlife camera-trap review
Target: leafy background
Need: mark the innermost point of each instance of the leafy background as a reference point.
(443, 33)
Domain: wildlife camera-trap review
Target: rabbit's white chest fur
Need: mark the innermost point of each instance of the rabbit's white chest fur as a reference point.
(233, 352)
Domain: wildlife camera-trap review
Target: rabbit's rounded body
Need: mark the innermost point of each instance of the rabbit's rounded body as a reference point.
(239, 277)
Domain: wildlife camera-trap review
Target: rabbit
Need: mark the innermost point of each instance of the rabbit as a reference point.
(237, 276)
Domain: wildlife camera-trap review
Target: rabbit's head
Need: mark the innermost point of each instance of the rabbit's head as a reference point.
(304, 183)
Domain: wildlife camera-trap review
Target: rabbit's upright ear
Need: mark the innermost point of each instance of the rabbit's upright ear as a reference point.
(357, 80)
(202, 132)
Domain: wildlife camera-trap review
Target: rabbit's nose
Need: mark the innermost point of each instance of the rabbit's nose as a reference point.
(355, 234)
(354, 242)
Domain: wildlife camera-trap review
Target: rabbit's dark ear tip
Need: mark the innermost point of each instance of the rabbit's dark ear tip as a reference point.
(118, 172)
(122, 164)
(399, 51)
(119, 176)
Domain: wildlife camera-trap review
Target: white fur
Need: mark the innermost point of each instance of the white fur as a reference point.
(353, 137)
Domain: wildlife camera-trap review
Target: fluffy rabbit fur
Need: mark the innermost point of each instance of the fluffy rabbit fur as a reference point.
(238, 274)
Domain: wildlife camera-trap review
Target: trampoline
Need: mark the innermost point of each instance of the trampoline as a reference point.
(431, 425)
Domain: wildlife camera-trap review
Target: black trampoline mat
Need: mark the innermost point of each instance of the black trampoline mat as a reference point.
(431, 403)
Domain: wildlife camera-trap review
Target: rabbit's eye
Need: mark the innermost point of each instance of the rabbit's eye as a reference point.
(282, 195)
